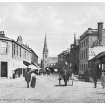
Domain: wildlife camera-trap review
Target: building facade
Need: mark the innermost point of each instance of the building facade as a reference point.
(52, 61)
(12, 55)
(34, 58)
(88, 40)
(74, 55)
(63, 57)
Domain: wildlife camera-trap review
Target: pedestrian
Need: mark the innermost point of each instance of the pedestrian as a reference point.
(95, 75)
(60, 78)
(95, 83)
(33, 80)
(13, 75)
(72, 78)
(103, 80)
(27, 77)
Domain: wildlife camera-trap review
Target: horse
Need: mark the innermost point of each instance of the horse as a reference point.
(65, 75)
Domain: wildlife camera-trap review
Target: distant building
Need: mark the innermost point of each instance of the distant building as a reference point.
(34, 57)
(90, 39)
(12, 55)
(52, 61)
(74, 55)
(63, 57)
(45, 54)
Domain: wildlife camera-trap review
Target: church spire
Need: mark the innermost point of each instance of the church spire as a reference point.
(45, 54)
(74, 38)
(45, 45)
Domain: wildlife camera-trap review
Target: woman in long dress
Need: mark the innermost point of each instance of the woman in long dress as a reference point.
(33, 80)
(103, 80)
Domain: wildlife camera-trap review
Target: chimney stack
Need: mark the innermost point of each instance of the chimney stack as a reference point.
(2, 34)
(100, 28)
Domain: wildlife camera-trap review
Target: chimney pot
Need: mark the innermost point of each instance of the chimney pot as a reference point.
(100, 28)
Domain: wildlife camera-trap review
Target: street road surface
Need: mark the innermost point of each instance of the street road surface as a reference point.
(48, 90)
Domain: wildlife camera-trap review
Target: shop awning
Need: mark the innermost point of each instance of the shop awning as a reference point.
(26, 63)
(32, 66)
(99, 56)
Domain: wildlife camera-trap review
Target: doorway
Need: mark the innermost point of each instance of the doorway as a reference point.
(4, 69)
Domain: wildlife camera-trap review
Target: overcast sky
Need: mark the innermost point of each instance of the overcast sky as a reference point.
(58, 20)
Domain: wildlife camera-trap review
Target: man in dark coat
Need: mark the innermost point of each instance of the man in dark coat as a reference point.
(27, 77)
(96, 74)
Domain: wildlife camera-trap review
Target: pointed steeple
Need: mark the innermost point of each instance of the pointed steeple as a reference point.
(74, 39)
(45, 53)
(45, 45)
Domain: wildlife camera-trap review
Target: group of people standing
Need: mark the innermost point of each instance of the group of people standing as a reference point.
(65, 73)
(30, 78)
(98, 74)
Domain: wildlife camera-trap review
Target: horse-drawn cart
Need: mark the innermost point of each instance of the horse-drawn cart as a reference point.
(65, 73)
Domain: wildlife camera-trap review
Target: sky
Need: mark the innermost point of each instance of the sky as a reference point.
(58, 20)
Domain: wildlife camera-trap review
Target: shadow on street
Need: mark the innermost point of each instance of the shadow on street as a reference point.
(62, 85)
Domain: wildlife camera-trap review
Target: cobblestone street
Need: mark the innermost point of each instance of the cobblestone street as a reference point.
(48, 90)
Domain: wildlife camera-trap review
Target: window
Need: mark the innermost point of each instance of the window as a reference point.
(20, 51)
(80, 66)
(25, 54)
(84, 43)
(14, 49)
(3, 47)
(82, 54)
(86, 53)
(87, 41)
(87, 66)
(17, 49)
(84, 67)
(80, 45)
